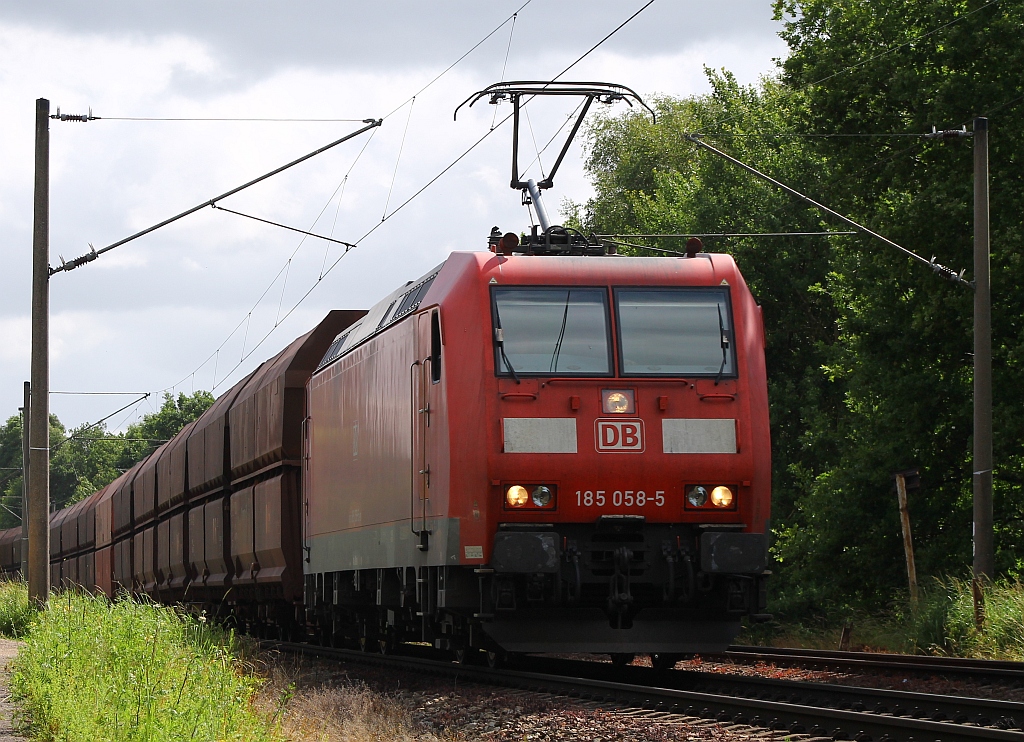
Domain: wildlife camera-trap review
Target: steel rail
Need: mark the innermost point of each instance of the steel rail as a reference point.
(783, 712)
(877, 660)
(958, 709)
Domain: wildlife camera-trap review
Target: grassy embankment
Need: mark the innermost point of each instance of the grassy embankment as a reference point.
(131, 670)
(943, 623)
(128, 670)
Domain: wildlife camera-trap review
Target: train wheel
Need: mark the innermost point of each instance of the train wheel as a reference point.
(496, 658)
(664, 661)
(622, 659)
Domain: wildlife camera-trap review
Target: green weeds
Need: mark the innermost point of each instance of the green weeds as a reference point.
(942, 623)
(15, 613)
(945, 620)
(130, 670)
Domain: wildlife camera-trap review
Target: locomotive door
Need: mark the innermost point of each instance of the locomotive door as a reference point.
(425, 373)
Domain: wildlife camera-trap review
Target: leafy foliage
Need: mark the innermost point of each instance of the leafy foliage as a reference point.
(903, 353)
(16, 613)
(89, 457)
(869, 354)
(650, 180)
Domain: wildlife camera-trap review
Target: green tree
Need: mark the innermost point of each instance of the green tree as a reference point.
(904, 341)
(650, 180)
(89, 457)
(10, 469)
(154, 429)
(10, 476)
(869, 354)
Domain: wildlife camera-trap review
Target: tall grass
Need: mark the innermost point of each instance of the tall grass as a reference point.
(942, 623)
(945, 620)
(15, 613)
(129, 670)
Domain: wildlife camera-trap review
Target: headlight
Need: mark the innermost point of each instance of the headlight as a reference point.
(618, 401)
(721, 497)
(697, 496)
(541, 496)
(516, 496)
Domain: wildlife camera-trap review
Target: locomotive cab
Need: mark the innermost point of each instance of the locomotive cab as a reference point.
(543, 453)
(625, 487)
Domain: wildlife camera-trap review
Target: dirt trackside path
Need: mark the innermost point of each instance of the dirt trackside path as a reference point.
(8, 650)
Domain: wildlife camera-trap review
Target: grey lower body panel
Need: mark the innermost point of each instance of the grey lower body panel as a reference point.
(589, 631)
(382, 546)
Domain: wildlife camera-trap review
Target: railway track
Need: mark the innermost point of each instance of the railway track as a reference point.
(872, 661)
(810, 710)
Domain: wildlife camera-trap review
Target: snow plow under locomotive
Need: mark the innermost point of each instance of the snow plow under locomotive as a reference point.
(543, 447)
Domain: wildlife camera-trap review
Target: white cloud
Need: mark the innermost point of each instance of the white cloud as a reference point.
(17, 342)
(145, 315)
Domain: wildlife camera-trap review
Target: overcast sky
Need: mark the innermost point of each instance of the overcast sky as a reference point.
(152, 314)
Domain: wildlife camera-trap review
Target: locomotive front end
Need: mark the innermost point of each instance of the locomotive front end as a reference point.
(629, 462)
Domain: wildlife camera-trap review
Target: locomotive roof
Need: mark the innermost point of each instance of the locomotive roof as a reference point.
(706, 269)
(399, 303)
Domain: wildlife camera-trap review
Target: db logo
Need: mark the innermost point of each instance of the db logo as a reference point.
(620, 435)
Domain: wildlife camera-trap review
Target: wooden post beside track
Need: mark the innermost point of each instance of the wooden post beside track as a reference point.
(908, 543)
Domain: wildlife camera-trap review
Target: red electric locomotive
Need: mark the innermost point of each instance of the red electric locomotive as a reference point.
(541, 454)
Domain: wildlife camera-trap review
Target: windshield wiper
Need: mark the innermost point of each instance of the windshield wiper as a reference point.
(553, 366)
(499, 338)
(725, 345)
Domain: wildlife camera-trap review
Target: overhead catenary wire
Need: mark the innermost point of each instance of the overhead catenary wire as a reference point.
(916, 39)
(215, 355)
(1003, 105)
(620, 243)
(794, 135)
(398, 160)
(282, 226)
(947, 273)
(90, 256)
(209, 118)
(121, 394)
(128, 440)
(373, 229)
(724, 234)
(77, 434)
(611, 33)
(509, 116)
(429, 183)
(504, 65)
(469, 51)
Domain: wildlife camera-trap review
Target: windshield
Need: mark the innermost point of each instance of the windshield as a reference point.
(675, 332)
(551, 331)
